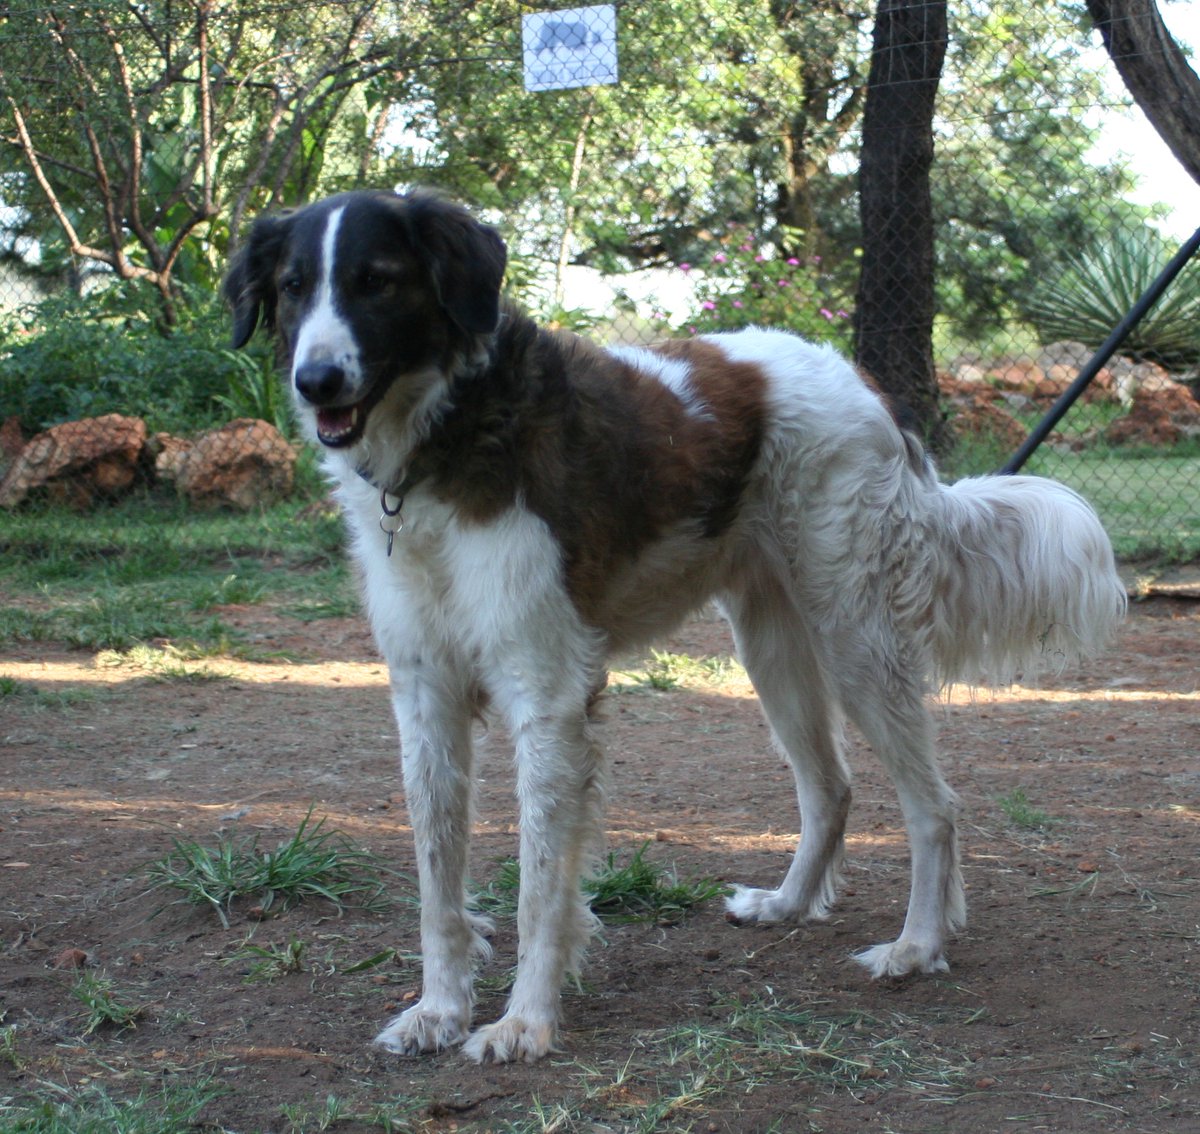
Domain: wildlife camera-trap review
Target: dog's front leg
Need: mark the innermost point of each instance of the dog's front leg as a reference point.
(559, 784)
(434, 716)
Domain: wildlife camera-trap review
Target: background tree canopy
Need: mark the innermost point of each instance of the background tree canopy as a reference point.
(139, 137)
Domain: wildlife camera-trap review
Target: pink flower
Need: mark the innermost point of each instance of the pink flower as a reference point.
(793, 261)
(737, 303)
(784, 283)
(720, 258)
(826, 313)
(709, 305)
(685, 267)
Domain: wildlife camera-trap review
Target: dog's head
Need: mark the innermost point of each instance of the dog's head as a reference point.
(364, 291)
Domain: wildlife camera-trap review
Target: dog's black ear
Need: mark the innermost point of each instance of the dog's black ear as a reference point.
(250, 285)
(465, 258)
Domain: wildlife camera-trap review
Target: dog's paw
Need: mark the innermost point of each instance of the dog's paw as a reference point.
(758, 907)
(902, 958)
(511, 1039)
(420, 1029)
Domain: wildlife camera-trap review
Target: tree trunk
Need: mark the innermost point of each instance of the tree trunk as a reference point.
(1155, 71)
(895, 306)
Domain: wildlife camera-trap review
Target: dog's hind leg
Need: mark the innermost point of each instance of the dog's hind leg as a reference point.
(776, 646)
(433, 712)
(890, 710)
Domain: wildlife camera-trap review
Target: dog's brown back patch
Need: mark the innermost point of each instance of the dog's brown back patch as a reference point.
(610, 457)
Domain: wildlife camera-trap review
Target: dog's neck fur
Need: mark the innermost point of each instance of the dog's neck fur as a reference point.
(471, 405)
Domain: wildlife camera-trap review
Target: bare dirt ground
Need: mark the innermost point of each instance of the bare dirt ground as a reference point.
(1072, 1003)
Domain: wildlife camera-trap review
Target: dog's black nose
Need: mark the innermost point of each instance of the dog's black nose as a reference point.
(320, 382)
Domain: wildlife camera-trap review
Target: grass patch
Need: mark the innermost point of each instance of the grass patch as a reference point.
(676, 1077)
(169, 1109)
(1150, 503)
(1148, 499)
(314, 863)
(162, 663)
(635, 891)
(104, 1006)
(389, 1118)
(1020, 812)
(9, 1051)
(150, 570)
(27, 693)
(665, 671)
(271, 961)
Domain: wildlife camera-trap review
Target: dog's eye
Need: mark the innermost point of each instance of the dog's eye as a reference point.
(375, 283)
(292, 286)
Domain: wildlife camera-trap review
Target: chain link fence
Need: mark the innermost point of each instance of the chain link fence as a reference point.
(657, 168)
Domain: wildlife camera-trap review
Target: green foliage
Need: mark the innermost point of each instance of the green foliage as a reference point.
(255, 388)
(313, 863)
(1013, 177)
(103, 1005)
(126, 153)
(8, 1047)
(635, 891)
(67, 358)
(175, 570)
(166, 1109)
(271, 961)
(748, 282)
(642, 891)
(1015, 804)
(741, 114)
(1093, 290)
(40, 699)
(665, 671)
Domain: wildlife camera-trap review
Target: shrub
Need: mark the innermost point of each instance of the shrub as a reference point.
(67, 358)
(1087, 295)
(748, 282)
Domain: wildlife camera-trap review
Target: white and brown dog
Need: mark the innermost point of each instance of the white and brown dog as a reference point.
(523, 504)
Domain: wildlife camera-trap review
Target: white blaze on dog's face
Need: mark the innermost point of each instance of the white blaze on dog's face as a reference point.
(326, 368)
(367, 291)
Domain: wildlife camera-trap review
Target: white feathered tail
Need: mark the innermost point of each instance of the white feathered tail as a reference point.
(1025, 579)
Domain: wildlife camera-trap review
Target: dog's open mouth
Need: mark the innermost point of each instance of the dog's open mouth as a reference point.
(338, 426)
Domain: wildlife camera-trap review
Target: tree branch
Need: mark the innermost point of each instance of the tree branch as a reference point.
(1155, 71)
(76, 246)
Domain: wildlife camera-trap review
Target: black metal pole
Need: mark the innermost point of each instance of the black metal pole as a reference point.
(1136, 313)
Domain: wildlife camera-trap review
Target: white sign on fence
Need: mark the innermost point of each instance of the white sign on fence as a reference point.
(573, 47)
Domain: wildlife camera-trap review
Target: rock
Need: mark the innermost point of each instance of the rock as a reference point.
(1019, 375)
(77, 461)
(1062, 361)
(70, 959)
(1163, 416)
(241, 465)
(1050, 389)
(1151, 376)
(951, 385)
(168, 454)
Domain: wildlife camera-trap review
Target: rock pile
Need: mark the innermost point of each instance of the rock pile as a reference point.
(984, 397)
(241, 465)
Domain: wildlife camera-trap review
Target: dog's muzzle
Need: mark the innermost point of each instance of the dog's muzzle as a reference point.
(323, 385)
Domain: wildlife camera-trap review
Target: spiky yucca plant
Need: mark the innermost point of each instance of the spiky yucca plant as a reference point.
(1093, 290)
